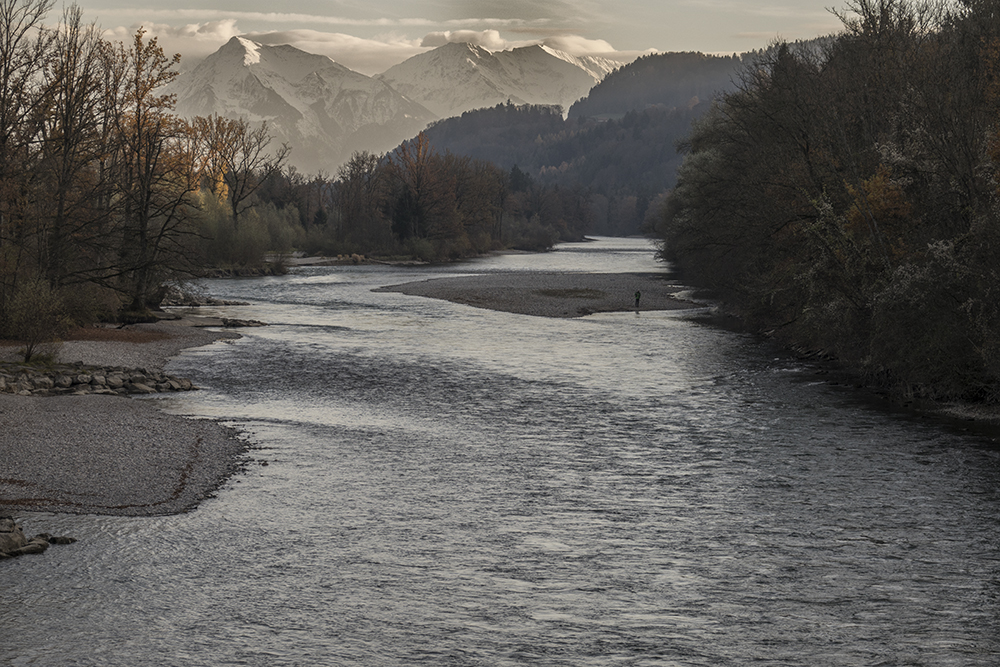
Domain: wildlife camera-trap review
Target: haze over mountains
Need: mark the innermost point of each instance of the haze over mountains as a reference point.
(326, 111)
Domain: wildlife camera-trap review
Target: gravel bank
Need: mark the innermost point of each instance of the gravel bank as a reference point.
(553, 294)
(110, 454)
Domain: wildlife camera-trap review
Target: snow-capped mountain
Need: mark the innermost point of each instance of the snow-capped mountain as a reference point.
(459, 77)
(322, 109)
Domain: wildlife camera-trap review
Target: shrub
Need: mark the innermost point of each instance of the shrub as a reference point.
(35, 315)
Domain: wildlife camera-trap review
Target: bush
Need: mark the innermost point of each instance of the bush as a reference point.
(35, 316)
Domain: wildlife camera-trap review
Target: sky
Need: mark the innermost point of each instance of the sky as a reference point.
(369, 36)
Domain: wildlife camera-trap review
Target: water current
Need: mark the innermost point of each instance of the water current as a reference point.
(448, 485)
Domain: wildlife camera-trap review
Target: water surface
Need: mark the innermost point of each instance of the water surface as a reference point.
(453, 486)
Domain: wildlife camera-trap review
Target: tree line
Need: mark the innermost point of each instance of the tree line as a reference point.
(619, 168)
(422, 203)
(845, 197)
(101, 186)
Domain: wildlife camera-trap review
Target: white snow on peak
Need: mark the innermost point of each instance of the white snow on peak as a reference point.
(322, 109)
(325, 111)
(597, 66)
(252, 54)
(458, 77)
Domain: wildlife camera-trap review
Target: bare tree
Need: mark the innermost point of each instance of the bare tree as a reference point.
(70, 147)
(23, 45)
(251, 165)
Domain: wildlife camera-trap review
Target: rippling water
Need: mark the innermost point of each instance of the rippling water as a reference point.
(454, 486)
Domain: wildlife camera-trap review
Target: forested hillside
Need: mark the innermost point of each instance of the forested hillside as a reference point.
(670, 80)
(622, 166)
(846, 200)
(618, 145)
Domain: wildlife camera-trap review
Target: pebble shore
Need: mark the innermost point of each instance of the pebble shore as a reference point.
(91, 452)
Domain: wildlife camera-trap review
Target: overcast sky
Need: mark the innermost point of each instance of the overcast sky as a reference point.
(372, 35)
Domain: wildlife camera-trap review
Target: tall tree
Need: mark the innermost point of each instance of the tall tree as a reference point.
(155, 175)
(70, 148)
(23, 48)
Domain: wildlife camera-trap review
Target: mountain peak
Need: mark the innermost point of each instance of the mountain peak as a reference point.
(460, 76)
(322, 109)
(241, 46)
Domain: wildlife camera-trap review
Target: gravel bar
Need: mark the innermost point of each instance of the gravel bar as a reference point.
(553, 294)
(110, 454)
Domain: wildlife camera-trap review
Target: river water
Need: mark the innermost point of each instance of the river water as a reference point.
(453, 486)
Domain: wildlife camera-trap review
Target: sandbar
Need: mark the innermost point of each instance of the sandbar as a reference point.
(554, 294)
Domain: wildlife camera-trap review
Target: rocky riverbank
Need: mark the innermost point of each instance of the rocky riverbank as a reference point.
(93, 447)
(29, 380)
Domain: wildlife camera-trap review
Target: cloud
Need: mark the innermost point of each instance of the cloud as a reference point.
(271, 18)
(368, 55)
(576, 45)
(488, 39)
(193, 40)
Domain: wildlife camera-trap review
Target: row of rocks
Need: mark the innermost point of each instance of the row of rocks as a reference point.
(14, 543)
(25, 380)
(174, 295)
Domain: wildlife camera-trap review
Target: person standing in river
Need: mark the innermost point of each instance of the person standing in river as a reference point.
(637, 295)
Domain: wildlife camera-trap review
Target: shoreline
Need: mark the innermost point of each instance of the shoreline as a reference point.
(114, 455)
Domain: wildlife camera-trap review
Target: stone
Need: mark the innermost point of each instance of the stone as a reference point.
(83, 378)
(43, 382)
(11, 535)
(233, 323)
(139, 388)
(14, 543)
(64, 381)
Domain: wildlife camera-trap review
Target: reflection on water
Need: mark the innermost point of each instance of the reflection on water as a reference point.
(453, 486)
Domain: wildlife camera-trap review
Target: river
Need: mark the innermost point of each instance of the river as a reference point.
(446, 485)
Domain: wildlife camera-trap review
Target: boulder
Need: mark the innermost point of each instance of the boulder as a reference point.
(43, 382)
(14, 543)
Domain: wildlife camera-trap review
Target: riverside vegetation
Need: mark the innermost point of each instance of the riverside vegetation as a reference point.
(845, 198)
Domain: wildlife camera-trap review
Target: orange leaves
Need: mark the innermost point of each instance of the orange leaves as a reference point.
(879, 212)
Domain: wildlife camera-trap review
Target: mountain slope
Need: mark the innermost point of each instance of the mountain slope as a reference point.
(319, 107)
(459, 77)
(670, 80)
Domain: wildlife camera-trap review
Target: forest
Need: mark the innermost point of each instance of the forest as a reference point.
(844, 199)
(620, 168)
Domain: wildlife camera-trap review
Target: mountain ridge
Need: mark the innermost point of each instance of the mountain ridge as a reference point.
(326, 111)
(459, 77)
(323, 109)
